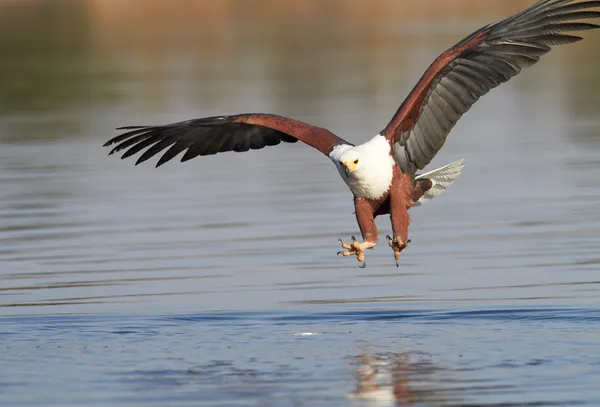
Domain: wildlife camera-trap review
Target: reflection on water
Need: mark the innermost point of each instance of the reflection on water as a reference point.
(84, 234)
(384, 380)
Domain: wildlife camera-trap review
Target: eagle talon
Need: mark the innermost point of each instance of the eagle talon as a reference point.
(356, 249)
(397, 245)
(345, 245)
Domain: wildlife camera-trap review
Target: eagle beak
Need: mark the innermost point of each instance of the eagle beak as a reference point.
(349, 166)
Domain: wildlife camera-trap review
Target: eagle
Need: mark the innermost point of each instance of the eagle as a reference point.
(382, 172)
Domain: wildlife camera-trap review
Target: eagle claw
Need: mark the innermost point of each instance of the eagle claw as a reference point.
(397, 245)
(355, 249)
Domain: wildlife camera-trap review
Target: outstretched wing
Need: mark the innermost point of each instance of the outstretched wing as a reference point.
(468, 70)
(214, 135)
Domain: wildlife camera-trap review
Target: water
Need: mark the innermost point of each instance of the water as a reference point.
(215, 282)
(361, 357)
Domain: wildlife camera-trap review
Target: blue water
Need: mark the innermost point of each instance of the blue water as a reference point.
(215, 282)
(511, 356)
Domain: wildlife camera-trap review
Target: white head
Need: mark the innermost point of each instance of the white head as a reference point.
(350, 160)
(366, 168)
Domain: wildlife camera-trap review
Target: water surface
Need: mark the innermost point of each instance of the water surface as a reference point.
(215, 282)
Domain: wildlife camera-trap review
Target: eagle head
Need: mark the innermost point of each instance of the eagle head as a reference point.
(350, 162)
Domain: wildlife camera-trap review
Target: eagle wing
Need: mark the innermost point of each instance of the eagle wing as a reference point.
(486, 58)
(212, 135)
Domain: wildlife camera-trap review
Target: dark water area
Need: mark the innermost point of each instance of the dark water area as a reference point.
(215, 282)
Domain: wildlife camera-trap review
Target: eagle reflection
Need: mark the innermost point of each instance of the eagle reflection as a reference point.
(394, 379)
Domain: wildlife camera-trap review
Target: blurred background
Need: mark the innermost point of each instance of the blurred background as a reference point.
(83, 234)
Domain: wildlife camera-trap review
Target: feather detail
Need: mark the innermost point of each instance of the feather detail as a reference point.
(441, 179)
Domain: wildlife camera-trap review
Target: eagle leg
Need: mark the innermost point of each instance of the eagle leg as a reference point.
(400, 200)
(365, 216)
(356, 249)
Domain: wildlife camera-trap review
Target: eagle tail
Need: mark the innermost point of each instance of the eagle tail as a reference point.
(441, 179)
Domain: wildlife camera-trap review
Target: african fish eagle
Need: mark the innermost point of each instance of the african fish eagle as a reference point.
(382, 173)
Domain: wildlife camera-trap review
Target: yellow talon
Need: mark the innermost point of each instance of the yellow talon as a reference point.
(397, 245)
(356, 249)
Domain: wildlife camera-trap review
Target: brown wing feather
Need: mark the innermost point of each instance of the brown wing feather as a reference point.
(461, 75)
(212, 135)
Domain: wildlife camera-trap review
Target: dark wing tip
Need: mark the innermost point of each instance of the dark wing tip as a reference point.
(197, 137)
(132, 127)
(110, 143)
(140, 160)
(132, 131)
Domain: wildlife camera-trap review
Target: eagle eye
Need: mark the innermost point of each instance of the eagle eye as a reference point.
(356, 161)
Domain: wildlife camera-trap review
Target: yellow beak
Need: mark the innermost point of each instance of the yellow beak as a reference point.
(349, 166)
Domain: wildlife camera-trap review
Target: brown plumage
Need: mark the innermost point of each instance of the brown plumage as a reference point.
(381, 173)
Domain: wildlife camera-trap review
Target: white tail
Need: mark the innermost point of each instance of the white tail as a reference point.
(442, 178)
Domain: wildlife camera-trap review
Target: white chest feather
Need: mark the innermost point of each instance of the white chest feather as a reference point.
(372, 176)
